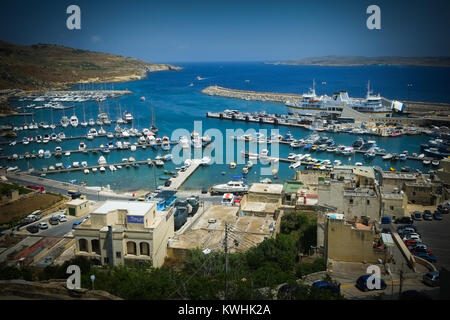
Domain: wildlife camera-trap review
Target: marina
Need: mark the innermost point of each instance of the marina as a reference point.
(43, 141)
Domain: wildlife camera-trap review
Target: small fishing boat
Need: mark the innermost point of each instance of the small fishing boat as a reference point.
(388, 156)
(232, 165)
(82, 146)
(102, 169)
(94, 169)
(426, 162)
(435, 162)
(86, 171)
(206, 161)
(101, 160)
(65, 121)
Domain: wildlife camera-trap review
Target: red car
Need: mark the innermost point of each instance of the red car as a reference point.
(237, 199)
(411, 242)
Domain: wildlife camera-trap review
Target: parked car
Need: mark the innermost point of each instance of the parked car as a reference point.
(416, 251)
(54, 220)
(411, 242)
(419, 245)
(426, 256)
(62, 218)
(404, 220)
(427, 215)
(167, 183)
(361, 283)
(406, 230)
(414, 236)
(445, 210)
(76, 224)
(437, 215)
(431, 278)
(43, 225)
(332, 287)
(417, 215)
(33, 229)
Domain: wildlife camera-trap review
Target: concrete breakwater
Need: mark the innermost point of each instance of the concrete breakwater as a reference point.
(251, 95)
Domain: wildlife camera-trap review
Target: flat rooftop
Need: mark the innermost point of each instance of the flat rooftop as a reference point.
(77, 202)
(266, 188)
(247, 230)
(398, 175)
(134, 208)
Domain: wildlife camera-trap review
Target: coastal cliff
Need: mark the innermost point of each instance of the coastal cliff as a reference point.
(42, 66)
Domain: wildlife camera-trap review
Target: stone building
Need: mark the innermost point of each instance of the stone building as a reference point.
(124, 232)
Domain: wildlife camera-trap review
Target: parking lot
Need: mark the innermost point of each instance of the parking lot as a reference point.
(436, 235)
(59, 229)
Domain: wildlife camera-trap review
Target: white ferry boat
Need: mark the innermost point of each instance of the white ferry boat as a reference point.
(313, 105)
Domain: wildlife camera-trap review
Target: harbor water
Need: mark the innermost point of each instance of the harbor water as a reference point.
(177, 102)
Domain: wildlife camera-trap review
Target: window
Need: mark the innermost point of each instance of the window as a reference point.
(391, 207)
(131, 247)
(145, 250)
(351, 201)
(83, 245)
(95, 243)
(118, 254)
(105, 260)
(368, 202)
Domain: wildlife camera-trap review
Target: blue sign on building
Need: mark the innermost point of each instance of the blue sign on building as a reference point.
(135, 219)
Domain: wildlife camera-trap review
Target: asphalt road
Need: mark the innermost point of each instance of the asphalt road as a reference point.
(436, 235)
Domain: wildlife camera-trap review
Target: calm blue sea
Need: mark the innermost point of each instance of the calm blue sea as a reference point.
(178, 105)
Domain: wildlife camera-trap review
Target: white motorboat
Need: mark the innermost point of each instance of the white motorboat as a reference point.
(197, 143)
(165, 146)
(102, 169)
(74, 121)
(184, 142)
(230, 187)
(82, 146)
(206, 161)
(128, 117)
(86, 171)
(101, 160)
(65, 121)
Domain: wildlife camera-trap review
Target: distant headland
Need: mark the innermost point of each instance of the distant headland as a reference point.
(367, 61)
(42, 66)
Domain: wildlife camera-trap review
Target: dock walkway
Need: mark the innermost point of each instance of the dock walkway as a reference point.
(183, 175)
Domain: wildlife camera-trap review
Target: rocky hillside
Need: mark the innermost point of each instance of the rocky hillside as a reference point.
(44, 65)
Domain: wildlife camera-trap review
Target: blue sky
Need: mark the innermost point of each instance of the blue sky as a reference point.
(250, 30)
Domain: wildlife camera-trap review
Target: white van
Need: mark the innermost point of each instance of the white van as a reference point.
(228, 199)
